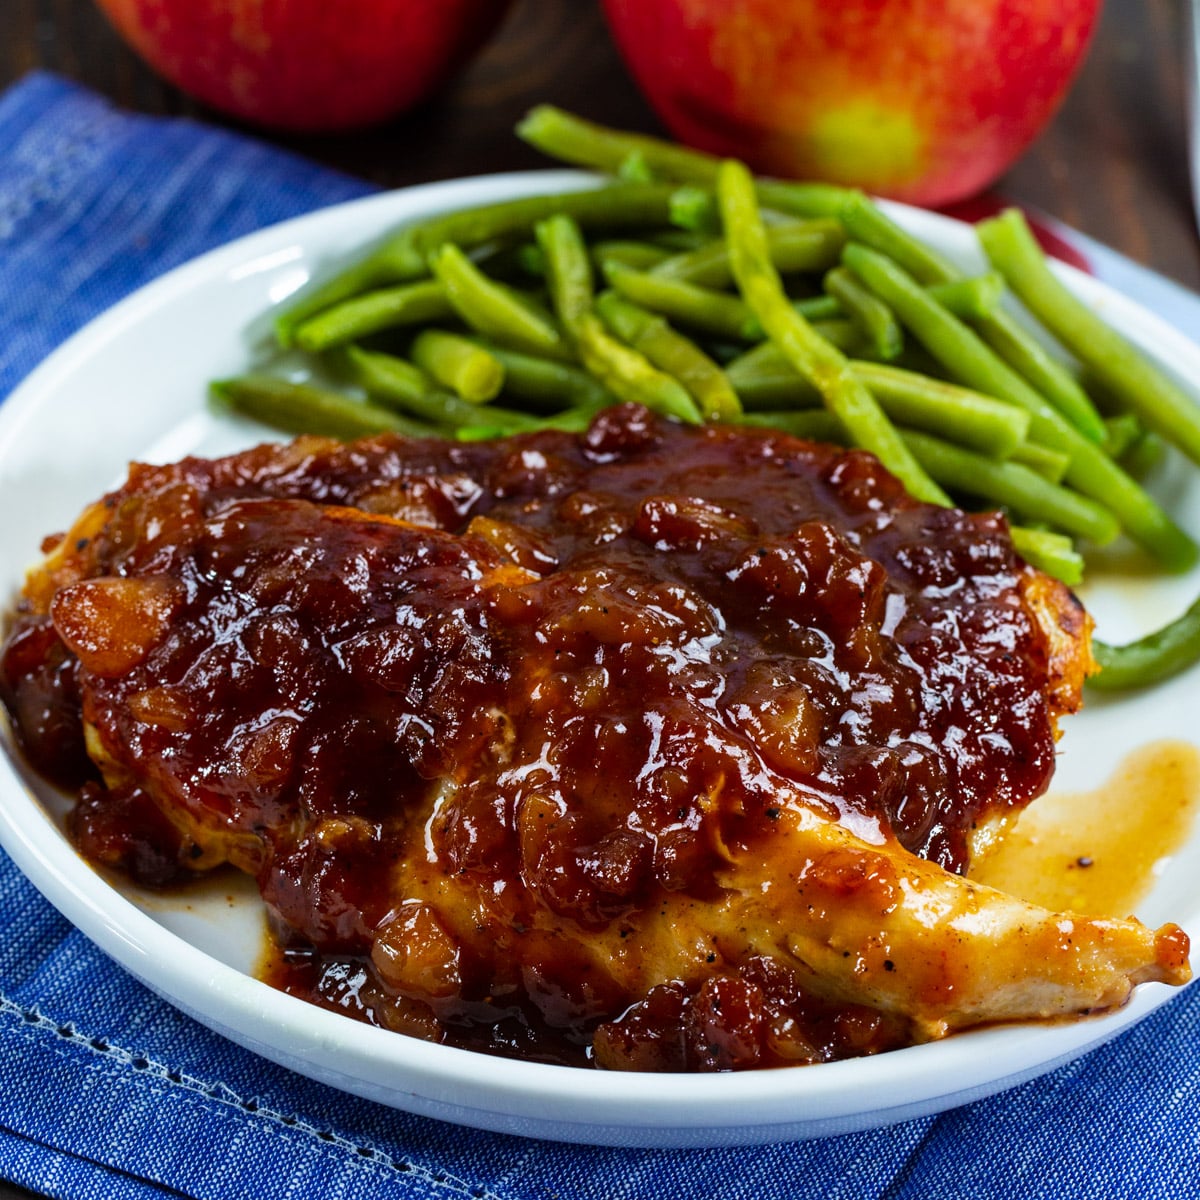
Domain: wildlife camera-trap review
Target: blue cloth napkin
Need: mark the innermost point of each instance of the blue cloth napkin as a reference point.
(107, 1091)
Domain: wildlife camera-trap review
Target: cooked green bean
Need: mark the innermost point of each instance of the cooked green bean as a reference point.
(1144, 455)
(955, 413)
(916, 401)
(352, 320)
(1049, 377)
(819, 308)
(401, 385)
(670, 351)
(867, 224)
(546, 385)
(384, 377)
(1050, 464)
(494, 310)
(625, 372)
(1120, 432)
(1146, 391)
(972, 362)
(1050, 552)
(1013, 485)
(573, 140)
(867, 311)
(1150, 659)
(810, 354)
(302, 408)
(641, 256)
(694, 208)
(462, 366)
(794, 246)
(842, 334)
(678, 241)
(404, 255)
(815, 424)
(974, 297)
(635, 168)
(702, 308)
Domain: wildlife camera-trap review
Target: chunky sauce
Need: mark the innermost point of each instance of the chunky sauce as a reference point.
(636, 646)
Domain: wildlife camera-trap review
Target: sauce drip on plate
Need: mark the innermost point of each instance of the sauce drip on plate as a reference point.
(1100, 852)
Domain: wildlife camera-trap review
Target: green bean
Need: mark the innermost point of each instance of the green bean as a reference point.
(530, 261)
(641, 256)
(972, 362)
(615, 206)
(819, 308)
(459, 364)
(1050, 552)
(1144, 455)
(635, 168)
(673, 353)
(867, 311)
(625, 372)
(384, 377)
(582, 143)
(794, 246)
(571, 420)
(1121, 432)
(1014, 486)
(1051, 465)
(404, 255)
(678, 241)
(915, 401)
(694, 208)
(302, 408)
(400, 385)
(702, 308)
(867, 224)
(814, 424)
(1031, 360)
(1150, 659)
(1156, 400)
(352, 320)
(546, 385)
(957, 414)
(966, 298)
(973, 298)
(842, 334)
(494, 310)
(811, 355)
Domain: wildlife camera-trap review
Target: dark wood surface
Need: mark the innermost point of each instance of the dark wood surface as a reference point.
(1113, 163)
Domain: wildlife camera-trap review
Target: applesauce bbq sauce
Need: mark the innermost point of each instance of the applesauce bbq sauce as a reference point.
(574, 671)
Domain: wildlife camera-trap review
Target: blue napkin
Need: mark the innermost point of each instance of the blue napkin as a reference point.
(107, 1091)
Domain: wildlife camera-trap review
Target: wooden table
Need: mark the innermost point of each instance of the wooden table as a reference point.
(1113, 163)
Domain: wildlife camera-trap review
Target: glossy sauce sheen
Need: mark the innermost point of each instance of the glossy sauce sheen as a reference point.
(637, 647)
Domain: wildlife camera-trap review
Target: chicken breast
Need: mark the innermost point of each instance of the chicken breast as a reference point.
(660, 748)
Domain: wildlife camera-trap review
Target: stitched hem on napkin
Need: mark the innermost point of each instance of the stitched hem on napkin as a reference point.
(182, 1119)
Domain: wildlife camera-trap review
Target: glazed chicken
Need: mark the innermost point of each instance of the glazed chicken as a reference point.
(656, 748)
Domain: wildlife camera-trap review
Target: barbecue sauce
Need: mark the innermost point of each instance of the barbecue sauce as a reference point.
(579, 672)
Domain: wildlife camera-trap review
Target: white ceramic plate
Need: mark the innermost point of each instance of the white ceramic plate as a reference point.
(132, 385)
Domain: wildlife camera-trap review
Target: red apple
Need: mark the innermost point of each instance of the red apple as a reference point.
(306, 65)
(923, 100)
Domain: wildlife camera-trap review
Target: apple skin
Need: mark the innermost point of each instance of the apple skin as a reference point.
(923, 100)
(306, 65)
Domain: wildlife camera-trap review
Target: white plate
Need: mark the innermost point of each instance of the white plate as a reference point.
(132, 385)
